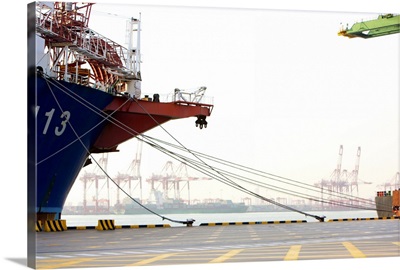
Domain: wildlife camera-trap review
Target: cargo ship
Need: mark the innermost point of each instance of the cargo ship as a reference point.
(388, 203)
(87, 99)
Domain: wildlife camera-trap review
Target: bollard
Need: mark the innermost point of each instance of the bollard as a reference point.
(189, 222)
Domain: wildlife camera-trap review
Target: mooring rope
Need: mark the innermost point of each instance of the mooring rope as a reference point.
(222, 178)
(200, 165)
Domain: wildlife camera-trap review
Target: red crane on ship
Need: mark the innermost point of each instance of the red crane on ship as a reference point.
(64, 27)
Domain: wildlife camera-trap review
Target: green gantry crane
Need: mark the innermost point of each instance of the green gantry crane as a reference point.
(384, 25)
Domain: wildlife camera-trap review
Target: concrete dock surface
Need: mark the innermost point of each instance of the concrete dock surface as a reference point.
(218, 244)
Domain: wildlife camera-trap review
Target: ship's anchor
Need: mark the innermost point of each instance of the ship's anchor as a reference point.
(201, 121)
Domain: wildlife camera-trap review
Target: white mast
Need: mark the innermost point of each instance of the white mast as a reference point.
(138, 54)
(134, 86)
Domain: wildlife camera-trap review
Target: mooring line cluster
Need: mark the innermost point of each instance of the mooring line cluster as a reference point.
(224, 176)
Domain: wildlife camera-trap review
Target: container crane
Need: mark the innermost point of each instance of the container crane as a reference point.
(354, 175)
(169, 178)
(386, 24)
(338, 175)
(96, 177)
(342, 181)
(394, 183)
(132, 174)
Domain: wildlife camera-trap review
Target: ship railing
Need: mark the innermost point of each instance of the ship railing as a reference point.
(172, 98)
(196, 96)
(85, 80)
(85, 41)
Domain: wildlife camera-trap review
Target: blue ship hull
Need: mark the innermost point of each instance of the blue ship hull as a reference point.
(69, 119)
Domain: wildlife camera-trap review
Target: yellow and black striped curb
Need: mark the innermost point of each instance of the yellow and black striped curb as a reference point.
(122, 227)
(39, 226)
(143, 226)
(105, 225)
(53, 225)
(60, 225)
(358, 219)
(81, 228)
(252, 223)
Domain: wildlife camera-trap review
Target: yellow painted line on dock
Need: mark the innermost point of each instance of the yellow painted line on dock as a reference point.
(293, 253)
(226, 256)
(81, 227)
(53, 245)
(165, 240)
(68, 263)
(396, 243)
(155, 244)
(154, 259)
(354, 251)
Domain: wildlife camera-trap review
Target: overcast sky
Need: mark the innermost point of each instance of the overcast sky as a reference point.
(287, 90)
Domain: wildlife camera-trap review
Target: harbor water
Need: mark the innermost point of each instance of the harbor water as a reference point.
(92, 220)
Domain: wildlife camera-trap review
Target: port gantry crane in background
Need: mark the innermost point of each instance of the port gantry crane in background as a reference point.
(96, 177)
(386, 24)
(133, 174)
(342, 182)
(170, 178)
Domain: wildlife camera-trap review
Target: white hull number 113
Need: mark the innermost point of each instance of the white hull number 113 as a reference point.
(59, 129)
